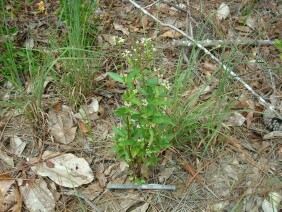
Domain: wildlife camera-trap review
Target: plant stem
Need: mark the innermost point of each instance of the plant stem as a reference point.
(128, 135)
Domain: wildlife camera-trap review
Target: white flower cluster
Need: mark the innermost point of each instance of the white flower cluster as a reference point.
(139, 140)
(144, 102)
(145, 41)
(118, 40)
(127, 104)
(148, 151)
(166, 84)
(126, 53)
(162, 81)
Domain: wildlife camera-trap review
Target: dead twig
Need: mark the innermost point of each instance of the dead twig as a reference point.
(189, 31)
(224, 66)
(215, 43)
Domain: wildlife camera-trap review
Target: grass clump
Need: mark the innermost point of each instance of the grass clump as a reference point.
(25, 68)
(81, 61)
(22, 68)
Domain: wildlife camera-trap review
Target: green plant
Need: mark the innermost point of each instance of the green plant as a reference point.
(249, 8)
(198, 107)
(278, 46)
(80, 63)
(142, 136)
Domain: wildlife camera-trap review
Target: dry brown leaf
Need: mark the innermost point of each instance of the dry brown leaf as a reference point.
(235, 120)
(192, 171)
(268, 206)
(10, 196)
(244, 104)
(280, 154)
(230, 172)
(144, 21)
(57, 107)
(123, 166)
(82, 126)
(5, 157)
(134, 28)
(53, 188)
(37, 196)
(101, 112)
(218, 206)
(223, 11)
(110, 169)
(92, 191)
(110, 39)
(174, 21)
(243, 28)
(89, 112)
(209, 67)
(2, 125)
(110, 101)
(248, 146)
(130, 200)
(121, 28)
(16, 145)
(274, 134)
(171, 34)
(64, 169)
(146, 173)
(61, 125)
(141, 207)
(100, 175)
(167, 156)
(29, 43)
(165, 174)
(249, 118)
(275, 198)
(251, 22)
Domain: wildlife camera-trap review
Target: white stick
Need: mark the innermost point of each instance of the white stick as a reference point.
(141, 187)
(213, 43)
(233, 74)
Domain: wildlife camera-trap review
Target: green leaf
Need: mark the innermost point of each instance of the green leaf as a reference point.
(115, 148)
(147, 72)
(278, 44)
(152, 161)
(10, 104)
(162, 119)
(151, 139)
(135, 116)
(127, 157)
(120, 153)
(122, 111)
(116, 77)
(134, 152)
(119, 132)
(163, 143)
(133, 74)
(135, 100)
(161, 102)
(143, 91)
(153, 81)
